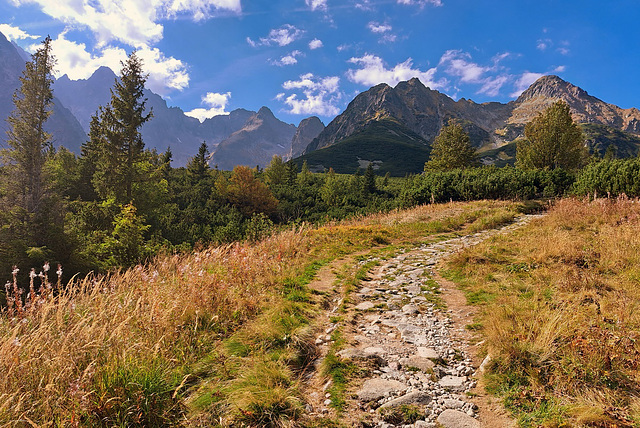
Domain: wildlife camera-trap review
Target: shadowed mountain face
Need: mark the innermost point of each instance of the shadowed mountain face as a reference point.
(169, 127)
(308, 129)
(490, 125)
(261, 137)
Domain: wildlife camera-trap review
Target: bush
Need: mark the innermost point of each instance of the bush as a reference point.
(612, 177)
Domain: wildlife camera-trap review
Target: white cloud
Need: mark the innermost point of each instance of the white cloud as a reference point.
(421, 3)
(458, 64)
(373, 71)
(543, 44)
(383, 30)
(165, 73)
(14, 33)
(317, 4)
(319, 95)
(315, 44)
(563, 51)
(364, 5)
(282, 36)
(524, 81)
(560, 69)
(217, 104)
(288, 59)
(491, 86)
(133, 22)
(378, 28)
(73, 59)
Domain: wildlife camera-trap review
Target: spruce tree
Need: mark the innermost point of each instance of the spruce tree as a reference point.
(118, 134)
(29, 143)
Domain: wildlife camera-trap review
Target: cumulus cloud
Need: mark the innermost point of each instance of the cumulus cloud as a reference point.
(216, 104)
(317, 4)
(133, 22)
(282, 36)
(74, 60)
(315, 44)
(14, 33)
(288, 59)
(373, 71)
(319, 95)
(524, 81)
(459, 64)
(421, 3)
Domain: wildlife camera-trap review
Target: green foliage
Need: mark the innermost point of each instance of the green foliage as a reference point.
(29, 143)
(134, 394)
(610, 177)
(116, 135)
(451, 149)
(484, 183)
(126, 245)
(552, 141)
(398, 150)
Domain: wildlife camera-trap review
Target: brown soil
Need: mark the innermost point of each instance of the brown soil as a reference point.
(491, 413)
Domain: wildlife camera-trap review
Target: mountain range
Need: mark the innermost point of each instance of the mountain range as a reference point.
(412, 108)
(391, 127)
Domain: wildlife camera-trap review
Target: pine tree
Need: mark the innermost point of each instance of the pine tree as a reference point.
(451, 149)
(369, 183)
(552, 140)
(198, 166)
(118, 134)
(29, 143)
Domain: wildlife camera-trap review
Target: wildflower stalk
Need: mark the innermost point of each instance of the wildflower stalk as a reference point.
(17, 293)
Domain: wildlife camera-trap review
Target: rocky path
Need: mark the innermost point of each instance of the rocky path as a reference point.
(419, 369)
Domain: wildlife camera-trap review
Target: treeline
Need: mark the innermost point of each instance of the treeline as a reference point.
(118, 203)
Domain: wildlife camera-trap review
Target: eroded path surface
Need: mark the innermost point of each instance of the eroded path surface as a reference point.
(406, 329)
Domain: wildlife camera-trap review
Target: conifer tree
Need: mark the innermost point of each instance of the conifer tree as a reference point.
(369, 184)
(118, 134)
(29, 143)
(198, 166)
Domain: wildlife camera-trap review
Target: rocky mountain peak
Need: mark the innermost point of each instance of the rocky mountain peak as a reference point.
(308, 129)
(265, 113)
(552, 87)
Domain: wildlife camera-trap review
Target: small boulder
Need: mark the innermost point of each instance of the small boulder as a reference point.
(456, 419)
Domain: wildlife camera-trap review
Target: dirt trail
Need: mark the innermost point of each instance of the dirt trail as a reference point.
(418, 359)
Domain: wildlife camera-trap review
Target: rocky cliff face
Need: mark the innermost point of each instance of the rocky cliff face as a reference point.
(260, 138)
(489, 125)
(584, 107)
(308, 129)
(422, 110)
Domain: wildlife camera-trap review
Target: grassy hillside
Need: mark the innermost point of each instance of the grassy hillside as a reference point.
(392, 147)
(559, 303)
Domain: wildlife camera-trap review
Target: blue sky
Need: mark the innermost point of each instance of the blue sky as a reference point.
(311, 57)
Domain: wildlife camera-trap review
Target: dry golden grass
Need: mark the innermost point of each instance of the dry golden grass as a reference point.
(561, 316)
(128, 349)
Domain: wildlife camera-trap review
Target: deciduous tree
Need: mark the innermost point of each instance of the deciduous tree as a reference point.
(451, 149)
(552, 140)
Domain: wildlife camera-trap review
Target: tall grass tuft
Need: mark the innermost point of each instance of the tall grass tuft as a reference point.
(563, 325)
